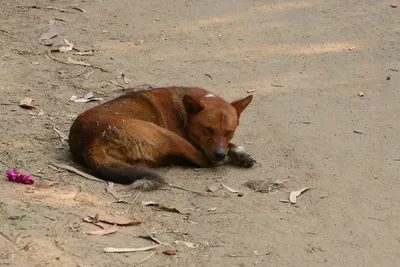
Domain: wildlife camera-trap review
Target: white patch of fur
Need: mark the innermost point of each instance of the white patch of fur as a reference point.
(148, 184)
(209, 95)
(239, 150)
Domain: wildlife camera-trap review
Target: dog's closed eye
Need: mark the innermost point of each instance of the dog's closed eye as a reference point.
(210, 130)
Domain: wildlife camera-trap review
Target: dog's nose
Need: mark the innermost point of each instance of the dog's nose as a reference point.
(219, 155)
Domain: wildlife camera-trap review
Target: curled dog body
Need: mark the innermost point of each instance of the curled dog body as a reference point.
(122, 140)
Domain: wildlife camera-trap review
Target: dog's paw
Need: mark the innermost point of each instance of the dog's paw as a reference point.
(240, 157)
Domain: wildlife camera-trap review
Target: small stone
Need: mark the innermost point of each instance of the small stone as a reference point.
(388, 78)
(360, 94)
(240, 194)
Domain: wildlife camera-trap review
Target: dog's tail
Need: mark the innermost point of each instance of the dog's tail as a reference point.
(110, 169)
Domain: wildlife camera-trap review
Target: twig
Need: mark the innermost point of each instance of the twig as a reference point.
(76, 171)
(146, 258)
(124, 250)
(255, 254)
(49, 54)
(133, 201)
(5, 164)
(276, 85)
(184, 188)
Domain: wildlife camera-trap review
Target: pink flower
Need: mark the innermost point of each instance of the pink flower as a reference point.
(12, 175)
(24, 178)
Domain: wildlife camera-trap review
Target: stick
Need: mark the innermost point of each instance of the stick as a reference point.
(123, 250)
(146, 258)
(76, 171)
(133, 201)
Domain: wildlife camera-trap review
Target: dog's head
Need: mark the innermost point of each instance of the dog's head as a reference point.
(211, 123)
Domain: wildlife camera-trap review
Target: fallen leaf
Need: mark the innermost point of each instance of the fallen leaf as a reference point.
(87, 98)
(188, 244)
(230, 189)
(294, 194)
(47, 38)
(69, 46)
(27, 103)
(169, 252)
(106, 231)
(124, 250)
(162, 207)
(213, 188)
(119, 222)
(111, 191)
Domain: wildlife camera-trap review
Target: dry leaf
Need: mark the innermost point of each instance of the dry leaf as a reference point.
(188, 244)
(69, 46)
(111, 190)
(162, 207)
(87, 98)
(106, 231)
(78, 62)
(119, 222)
(294, 194)
(27, 103)
(213, 188)
(48, 37)
(230, 189)
(123, 250)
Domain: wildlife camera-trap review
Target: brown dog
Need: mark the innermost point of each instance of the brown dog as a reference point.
(121, 140)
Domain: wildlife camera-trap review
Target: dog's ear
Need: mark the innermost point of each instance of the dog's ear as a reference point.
(241, 104)
(192, 105)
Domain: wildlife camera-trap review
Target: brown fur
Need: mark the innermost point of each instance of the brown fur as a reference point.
(121, 140)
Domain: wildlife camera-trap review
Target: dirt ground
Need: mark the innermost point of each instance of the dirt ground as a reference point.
(306, 61)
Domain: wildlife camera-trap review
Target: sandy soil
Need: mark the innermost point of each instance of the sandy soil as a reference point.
(306, 60)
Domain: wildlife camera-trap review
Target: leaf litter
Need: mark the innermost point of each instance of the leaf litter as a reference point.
(119, 222)
(294, 194)
(158, 206)
(266, 186)
(47, 38)
(87, 98)
(105, 231)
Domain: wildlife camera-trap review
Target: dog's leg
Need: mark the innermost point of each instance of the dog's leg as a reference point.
(239, 156)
